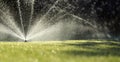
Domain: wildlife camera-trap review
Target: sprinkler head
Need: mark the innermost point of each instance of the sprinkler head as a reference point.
(25, 40)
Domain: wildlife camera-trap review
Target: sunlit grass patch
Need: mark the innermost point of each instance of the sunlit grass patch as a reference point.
(60, 51)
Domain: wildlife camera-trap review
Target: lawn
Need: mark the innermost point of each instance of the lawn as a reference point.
(60, 51)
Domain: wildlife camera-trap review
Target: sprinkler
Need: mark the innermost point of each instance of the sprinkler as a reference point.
(25, 40)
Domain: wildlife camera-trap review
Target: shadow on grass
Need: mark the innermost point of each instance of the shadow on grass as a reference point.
(84, 44)
(95, 49)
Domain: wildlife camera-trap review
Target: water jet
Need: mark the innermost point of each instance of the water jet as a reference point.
(51, 20)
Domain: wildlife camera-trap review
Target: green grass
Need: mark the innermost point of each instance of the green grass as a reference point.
(65, 51)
